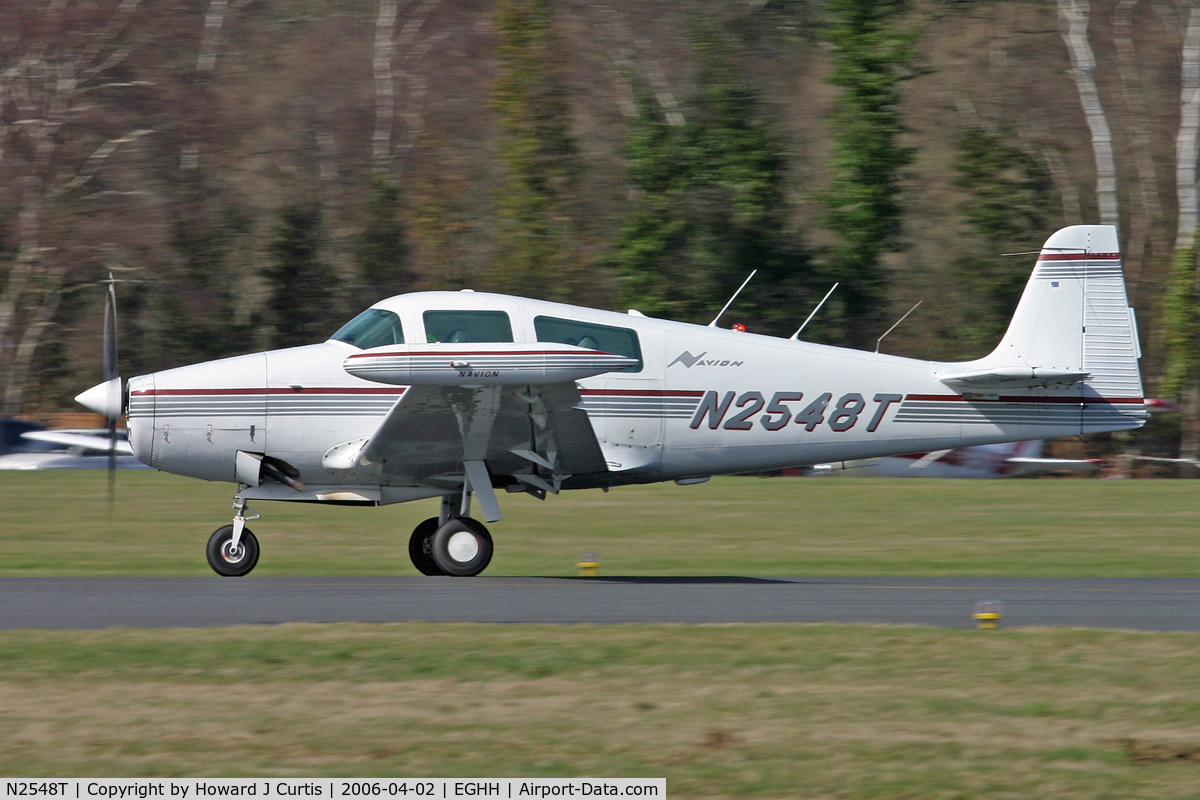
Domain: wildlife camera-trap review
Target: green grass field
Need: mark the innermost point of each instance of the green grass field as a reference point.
(729, 711)
(57, 523)
(762, 711)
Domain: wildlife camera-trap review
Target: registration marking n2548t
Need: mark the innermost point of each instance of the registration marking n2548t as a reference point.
(733, 412)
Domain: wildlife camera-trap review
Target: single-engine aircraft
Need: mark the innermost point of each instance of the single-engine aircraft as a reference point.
(461, 394)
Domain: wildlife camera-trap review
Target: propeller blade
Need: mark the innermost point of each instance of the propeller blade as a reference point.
(110, 331)
(114, 406)
(112, 466)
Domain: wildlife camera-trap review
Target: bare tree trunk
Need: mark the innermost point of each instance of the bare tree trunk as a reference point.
(1131, 85)
(1189, 124)
(385, 92)
(210, 41)
(44, 83)
(1073, 19)
(415, 82)
(1072, 213)
(17, 373)
(1186, 144)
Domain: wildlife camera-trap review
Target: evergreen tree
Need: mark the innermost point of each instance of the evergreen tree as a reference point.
(1012, 205)
(1181, 325)
(539, 226)
(302, 300)
(381, 250)
(201, 304)
(873, 50)
(709, 205)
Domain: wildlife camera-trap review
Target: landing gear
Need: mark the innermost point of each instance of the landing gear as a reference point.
(420, 548)
(233, 549)
(229, 559)
(462, 547)
(451, 543)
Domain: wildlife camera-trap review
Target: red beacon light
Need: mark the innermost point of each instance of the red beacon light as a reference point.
(739, 327)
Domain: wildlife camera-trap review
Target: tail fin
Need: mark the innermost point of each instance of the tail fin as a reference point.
(1073, 335)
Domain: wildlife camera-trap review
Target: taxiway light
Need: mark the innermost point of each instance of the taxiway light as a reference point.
(588, 565)
(988, 614)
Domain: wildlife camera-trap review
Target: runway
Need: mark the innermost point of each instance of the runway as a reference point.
(1158, 604)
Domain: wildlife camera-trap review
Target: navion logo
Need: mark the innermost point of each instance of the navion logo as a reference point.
(689, 361)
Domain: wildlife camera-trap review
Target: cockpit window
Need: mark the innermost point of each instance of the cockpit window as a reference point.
(605, 338)
(467, 326)
(372, 328)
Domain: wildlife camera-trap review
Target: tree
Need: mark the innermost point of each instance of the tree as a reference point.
(65, 119)
(709, 204)
(381, 251)
(872, 53)
(540, 229)
(303, 296)
(1012, 205)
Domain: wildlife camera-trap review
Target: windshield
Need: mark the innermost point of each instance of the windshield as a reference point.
(372, 328)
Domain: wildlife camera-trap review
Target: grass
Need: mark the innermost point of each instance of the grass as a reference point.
(57, 523)
(754, 711)
(764, 711)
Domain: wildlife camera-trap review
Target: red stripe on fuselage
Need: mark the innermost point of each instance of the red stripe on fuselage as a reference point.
(1079, 257)
(1092, 401)
(638, 393)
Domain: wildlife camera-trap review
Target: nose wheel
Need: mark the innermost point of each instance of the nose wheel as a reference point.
(461, 547)
(229, 559)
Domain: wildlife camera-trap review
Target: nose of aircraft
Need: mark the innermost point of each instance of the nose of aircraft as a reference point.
(104, 398)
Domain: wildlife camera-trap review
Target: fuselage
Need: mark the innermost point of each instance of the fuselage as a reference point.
(702, 401)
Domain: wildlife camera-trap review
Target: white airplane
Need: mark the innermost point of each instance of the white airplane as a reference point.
(1003, 460)
(71, 448)
(460, 394)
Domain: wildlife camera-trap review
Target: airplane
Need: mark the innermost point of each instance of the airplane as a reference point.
(70, 448)
(1004, 460)
(461, 395)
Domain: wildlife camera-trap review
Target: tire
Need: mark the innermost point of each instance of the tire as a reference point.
(462, 547)
(232, 565)
(420, 548)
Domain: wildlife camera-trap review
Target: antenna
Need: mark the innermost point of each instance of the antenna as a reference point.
(796, 335)
(897, 325)
(713, 324)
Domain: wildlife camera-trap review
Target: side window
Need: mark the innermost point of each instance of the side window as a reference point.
(372, 328)
(605, 338)
(467, 326)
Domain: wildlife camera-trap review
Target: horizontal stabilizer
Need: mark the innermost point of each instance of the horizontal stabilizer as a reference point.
(1011, 377)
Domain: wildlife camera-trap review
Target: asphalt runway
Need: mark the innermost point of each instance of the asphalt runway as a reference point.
(1159, 604)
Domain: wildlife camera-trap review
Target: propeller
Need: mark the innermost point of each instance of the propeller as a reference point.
(107, 398)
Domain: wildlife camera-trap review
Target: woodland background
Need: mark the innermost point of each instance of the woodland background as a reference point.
(255, 172)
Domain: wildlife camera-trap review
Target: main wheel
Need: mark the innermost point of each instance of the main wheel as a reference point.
(420, 548)
(462, 547)
(227, 561)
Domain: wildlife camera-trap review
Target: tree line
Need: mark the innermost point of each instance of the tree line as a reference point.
(659, 182)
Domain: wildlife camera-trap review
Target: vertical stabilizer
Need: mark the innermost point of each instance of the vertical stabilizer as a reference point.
(1073, 335)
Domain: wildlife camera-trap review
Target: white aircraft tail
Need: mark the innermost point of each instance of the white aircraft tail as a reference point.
(1073, 334)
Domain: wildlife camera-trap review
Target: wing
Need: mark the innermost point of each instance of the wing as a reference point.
(524, 438)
